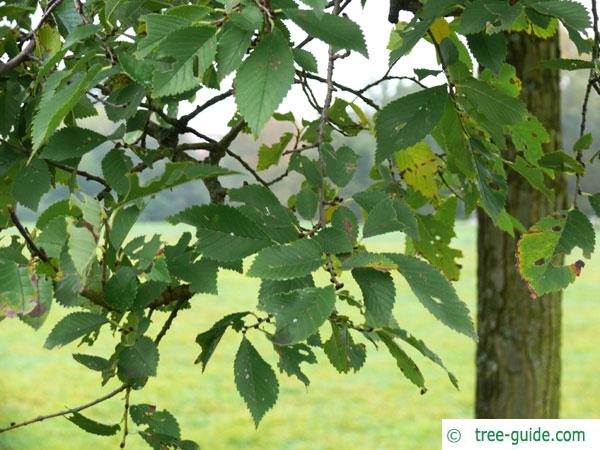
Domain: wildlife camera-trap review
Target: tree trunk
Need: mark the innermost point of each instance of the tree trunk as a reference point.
(518, 354)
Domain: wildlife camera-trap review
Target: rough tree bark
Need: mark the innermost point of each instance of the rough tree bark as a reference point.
(518, 354)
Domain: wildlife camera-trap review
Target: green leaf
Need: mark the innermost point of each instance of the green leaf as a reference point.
(423, 349)
(283, 262)
(564, 64)
(406, 121)
(340, 165)
(31, 183)
(570, 13)
(56, 104)
(307, 202)
(249, 18)
(299, 313)
(264, 79)
(450, 136)
(333, 241)
(337, 31)
(138, 361)
(122, 10)
(209, 339)
(595, 203)
(11, 96)
(540, 249)
(53, 237)
(121, 224)
(74, 326)
(231, 49)
(435, 292)
(95, 363)
(120, 290)
(492, 187)
(292, 356)
(175, 174)
(496, 106)
(489, 49)
(305, 59)
(193, 51)
(378, 293)
(255, 380)
(376, 261)
(161, 423)
(115, 167)
(18, 293)
(82, 248)
(224, 233)
(270, 155)
(479, 12)
(407, 36)
(583, 143)
(342, 352)
(406, 365)
(71, 142)
(561, 162)
(391, 215)
(91, 426)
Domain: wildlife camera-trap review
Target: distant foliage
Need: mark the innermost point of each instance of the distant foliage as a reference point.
(135, 61)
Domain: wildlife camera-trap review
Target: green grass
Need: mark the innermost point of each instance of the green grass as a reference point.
(374, 409)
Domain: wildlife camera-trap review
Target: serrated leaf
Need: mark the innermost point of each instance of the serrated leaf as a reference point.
(337, 31)
(570, 13)
(307, 202)
(255, 380)
(282, 262)
(299, 313)
(595, 203)
(497, 107)
(540, 249)
(193, 51)
(378, 293)
(120, 290)
(81, 247)
(436, 293)
(564, 64)
(391, 215)
(340, 164)
(161, 423)
(209, 339)
(18, 293)
(342, 352)
(73, 326)
(292, 356)
(306, 60)
(479, 12)
(138, 361)
(95, 363)
(224, 233)
(71, 142)
(231, 49)
(489, 49)
(406, 121)
(333, 241)
(91, 426)
(264, 79)
(31, 183)
(376, 261)
(419, 345)
(270, 155)
(55, 105)
(418, 166)
(406, 365)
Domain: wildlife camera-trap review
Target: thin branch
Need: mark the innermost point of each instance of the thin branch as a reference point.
(163, 331)
(185, 119)
(125, 417)
(66, 411)
(247, 166)
(34, 249)
(342, 87)
(30, 46)
(586, 98)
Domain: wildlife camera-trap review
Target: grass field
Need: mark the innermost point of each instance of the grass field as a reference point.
(373, 409)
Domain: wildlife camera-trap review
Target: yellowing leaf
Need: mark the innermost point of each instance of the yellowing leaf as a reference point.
(440, 29)
(418, 166)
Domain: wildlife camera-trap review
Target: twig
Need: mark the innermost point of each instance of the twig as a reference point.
(169, 321)
(185, 119)
(247, 166)
(586, 98)
(34, 249)
(66, 411)
(30, 46)
(356, 92)
(125, 417)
